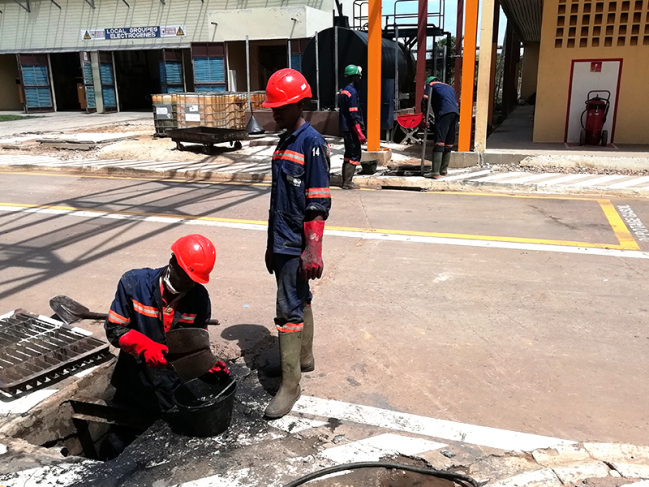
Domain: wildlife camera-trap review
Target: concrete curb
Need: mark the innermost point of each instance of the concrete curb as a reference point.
(188, 175)
(363, 181)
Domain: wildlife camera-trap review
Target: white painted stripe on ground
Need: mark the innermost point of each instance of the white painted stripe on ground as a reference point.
(564, 179)
(25, 403)
(238, 478)
(291, 424)
(529, 178)
(341, 233)
(377, 447)
(634, 181)
(594, 181)
(501, 176)
(421, 425)
(545, 477)
(465, 175)
(49, 476)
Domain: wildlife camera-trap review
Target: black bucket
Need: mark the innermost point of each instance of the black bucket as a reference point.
(205, 406)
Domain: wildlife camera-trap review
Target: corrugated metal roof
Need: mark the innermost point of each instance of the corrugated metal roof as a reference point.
(526, 15)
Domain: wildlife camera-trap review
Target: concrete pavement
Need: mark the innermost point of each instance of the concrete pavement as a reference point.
(253, 165)
(464, 320)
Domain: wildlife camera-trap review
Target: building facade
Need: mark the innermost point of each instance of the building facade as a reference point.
(109, 55)
(593, 46)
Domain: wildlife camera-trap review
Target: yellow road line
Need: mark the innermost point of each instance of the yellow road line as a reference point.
(627, 241)
(624, 244)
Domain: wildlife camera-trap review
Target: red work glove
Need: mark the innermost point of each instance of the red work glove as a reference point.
(311, 265)
(359, 132)
(140, 345)
(220, 368)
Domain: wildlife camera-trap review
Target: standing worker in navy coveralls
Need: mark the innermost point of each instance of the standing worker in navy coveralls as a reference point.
(445, 108)
(299, 205)
(351, 125)
(147, 304)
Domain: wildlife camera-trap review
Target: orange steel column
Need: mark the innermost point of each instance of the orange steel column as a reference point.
(374, 77)
(468, 74)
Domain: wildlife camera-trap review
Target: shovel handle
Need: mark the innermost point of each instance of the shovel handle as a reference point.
(102, 316)
(94, 316)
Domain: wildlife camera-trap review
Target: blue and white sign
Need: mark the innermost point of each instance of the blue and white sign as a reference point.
(118, 33)
(132, 33)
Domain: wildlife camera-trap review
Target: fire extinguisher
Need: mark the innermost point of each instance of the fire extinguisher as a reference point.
(596, 111)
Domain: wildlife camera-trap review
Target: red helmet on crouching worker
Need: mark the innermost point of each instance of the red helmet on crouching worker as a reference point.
(196, 255)
(286, 86)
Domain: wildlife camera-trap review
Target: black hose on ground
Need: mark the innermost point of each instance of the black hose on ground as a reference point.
(454, 477)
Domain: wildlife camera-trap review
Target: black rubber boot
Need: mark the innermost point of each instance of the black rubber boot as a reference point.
(446, 160)
(290, 345)
(307, 361)
(348, 173)
(437, 164)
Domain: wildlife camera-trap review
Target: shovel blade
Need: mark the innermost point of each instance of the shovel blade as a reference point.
(68, 309)
(185, 341)
(194, 365)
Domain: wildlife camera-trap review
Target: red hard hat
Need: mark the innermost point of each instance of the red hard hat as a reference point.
(286, 86)
(196, 255)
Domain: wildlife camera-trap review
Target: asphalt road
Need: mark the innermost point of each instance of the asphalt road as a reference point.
(515, 312)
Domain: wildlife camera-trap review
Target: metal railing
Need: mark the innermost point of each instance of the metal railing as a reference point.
(405, 15)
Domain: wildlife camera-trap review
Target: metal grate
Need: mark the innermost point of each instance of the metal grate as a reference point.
(34, 350)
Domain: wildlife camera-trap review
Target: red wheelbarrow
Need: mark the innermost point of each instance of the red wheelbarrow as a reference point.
(409, 124)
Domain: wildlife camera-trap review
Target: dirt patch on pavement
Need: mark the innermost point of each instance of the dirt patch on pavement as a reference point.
(145, 128)
(149, 148)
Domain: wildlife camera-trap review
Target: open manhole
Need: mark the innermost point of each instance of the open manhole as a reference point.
(36, 349)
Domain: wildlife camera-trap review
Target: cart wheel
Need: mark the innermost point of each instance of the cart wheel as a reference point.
(604, 138)
(207, 149)
(582, 138)
(179, 146)
(238, 145)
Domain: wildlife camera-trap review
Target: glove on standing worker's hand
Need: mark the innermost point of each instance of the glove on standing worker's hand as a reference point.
(140, 345)
(220, 368)
(359, 132)
(311, 265)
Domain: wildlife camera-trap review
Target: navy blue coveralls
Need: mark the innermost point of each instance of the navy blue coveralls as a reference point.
(444, 106)
(300, 185)
(350, 114)
(138, 306)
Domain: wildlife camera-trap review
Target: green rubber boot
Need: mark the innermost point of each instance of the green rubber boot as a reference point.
(446, 160)
(437, 164)
(290, 345)
(348, 173)
(307, 361)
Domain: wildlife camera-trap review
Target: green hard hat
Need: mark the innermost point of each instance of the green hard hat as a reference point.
(353, 70)
(430, 79)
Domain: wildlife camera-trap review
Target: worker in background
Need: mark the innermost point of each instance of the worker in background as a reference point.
(300, 200)
(147, 304)
(351, 125)
(443, 103)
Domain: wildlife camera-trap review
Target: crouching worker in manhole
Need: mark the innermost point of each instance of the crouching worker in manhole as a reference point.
(159, 320)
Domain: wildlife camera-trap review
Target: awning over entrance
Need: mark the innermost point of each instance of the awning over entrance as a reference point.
(526, 17)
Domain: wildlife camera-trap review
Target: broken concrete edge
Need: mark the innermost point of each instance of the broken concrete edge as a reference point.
(566, 464)
(50, 420)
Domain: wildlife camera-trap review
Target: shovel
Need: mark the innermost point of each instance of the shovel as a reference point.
(70, 311)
